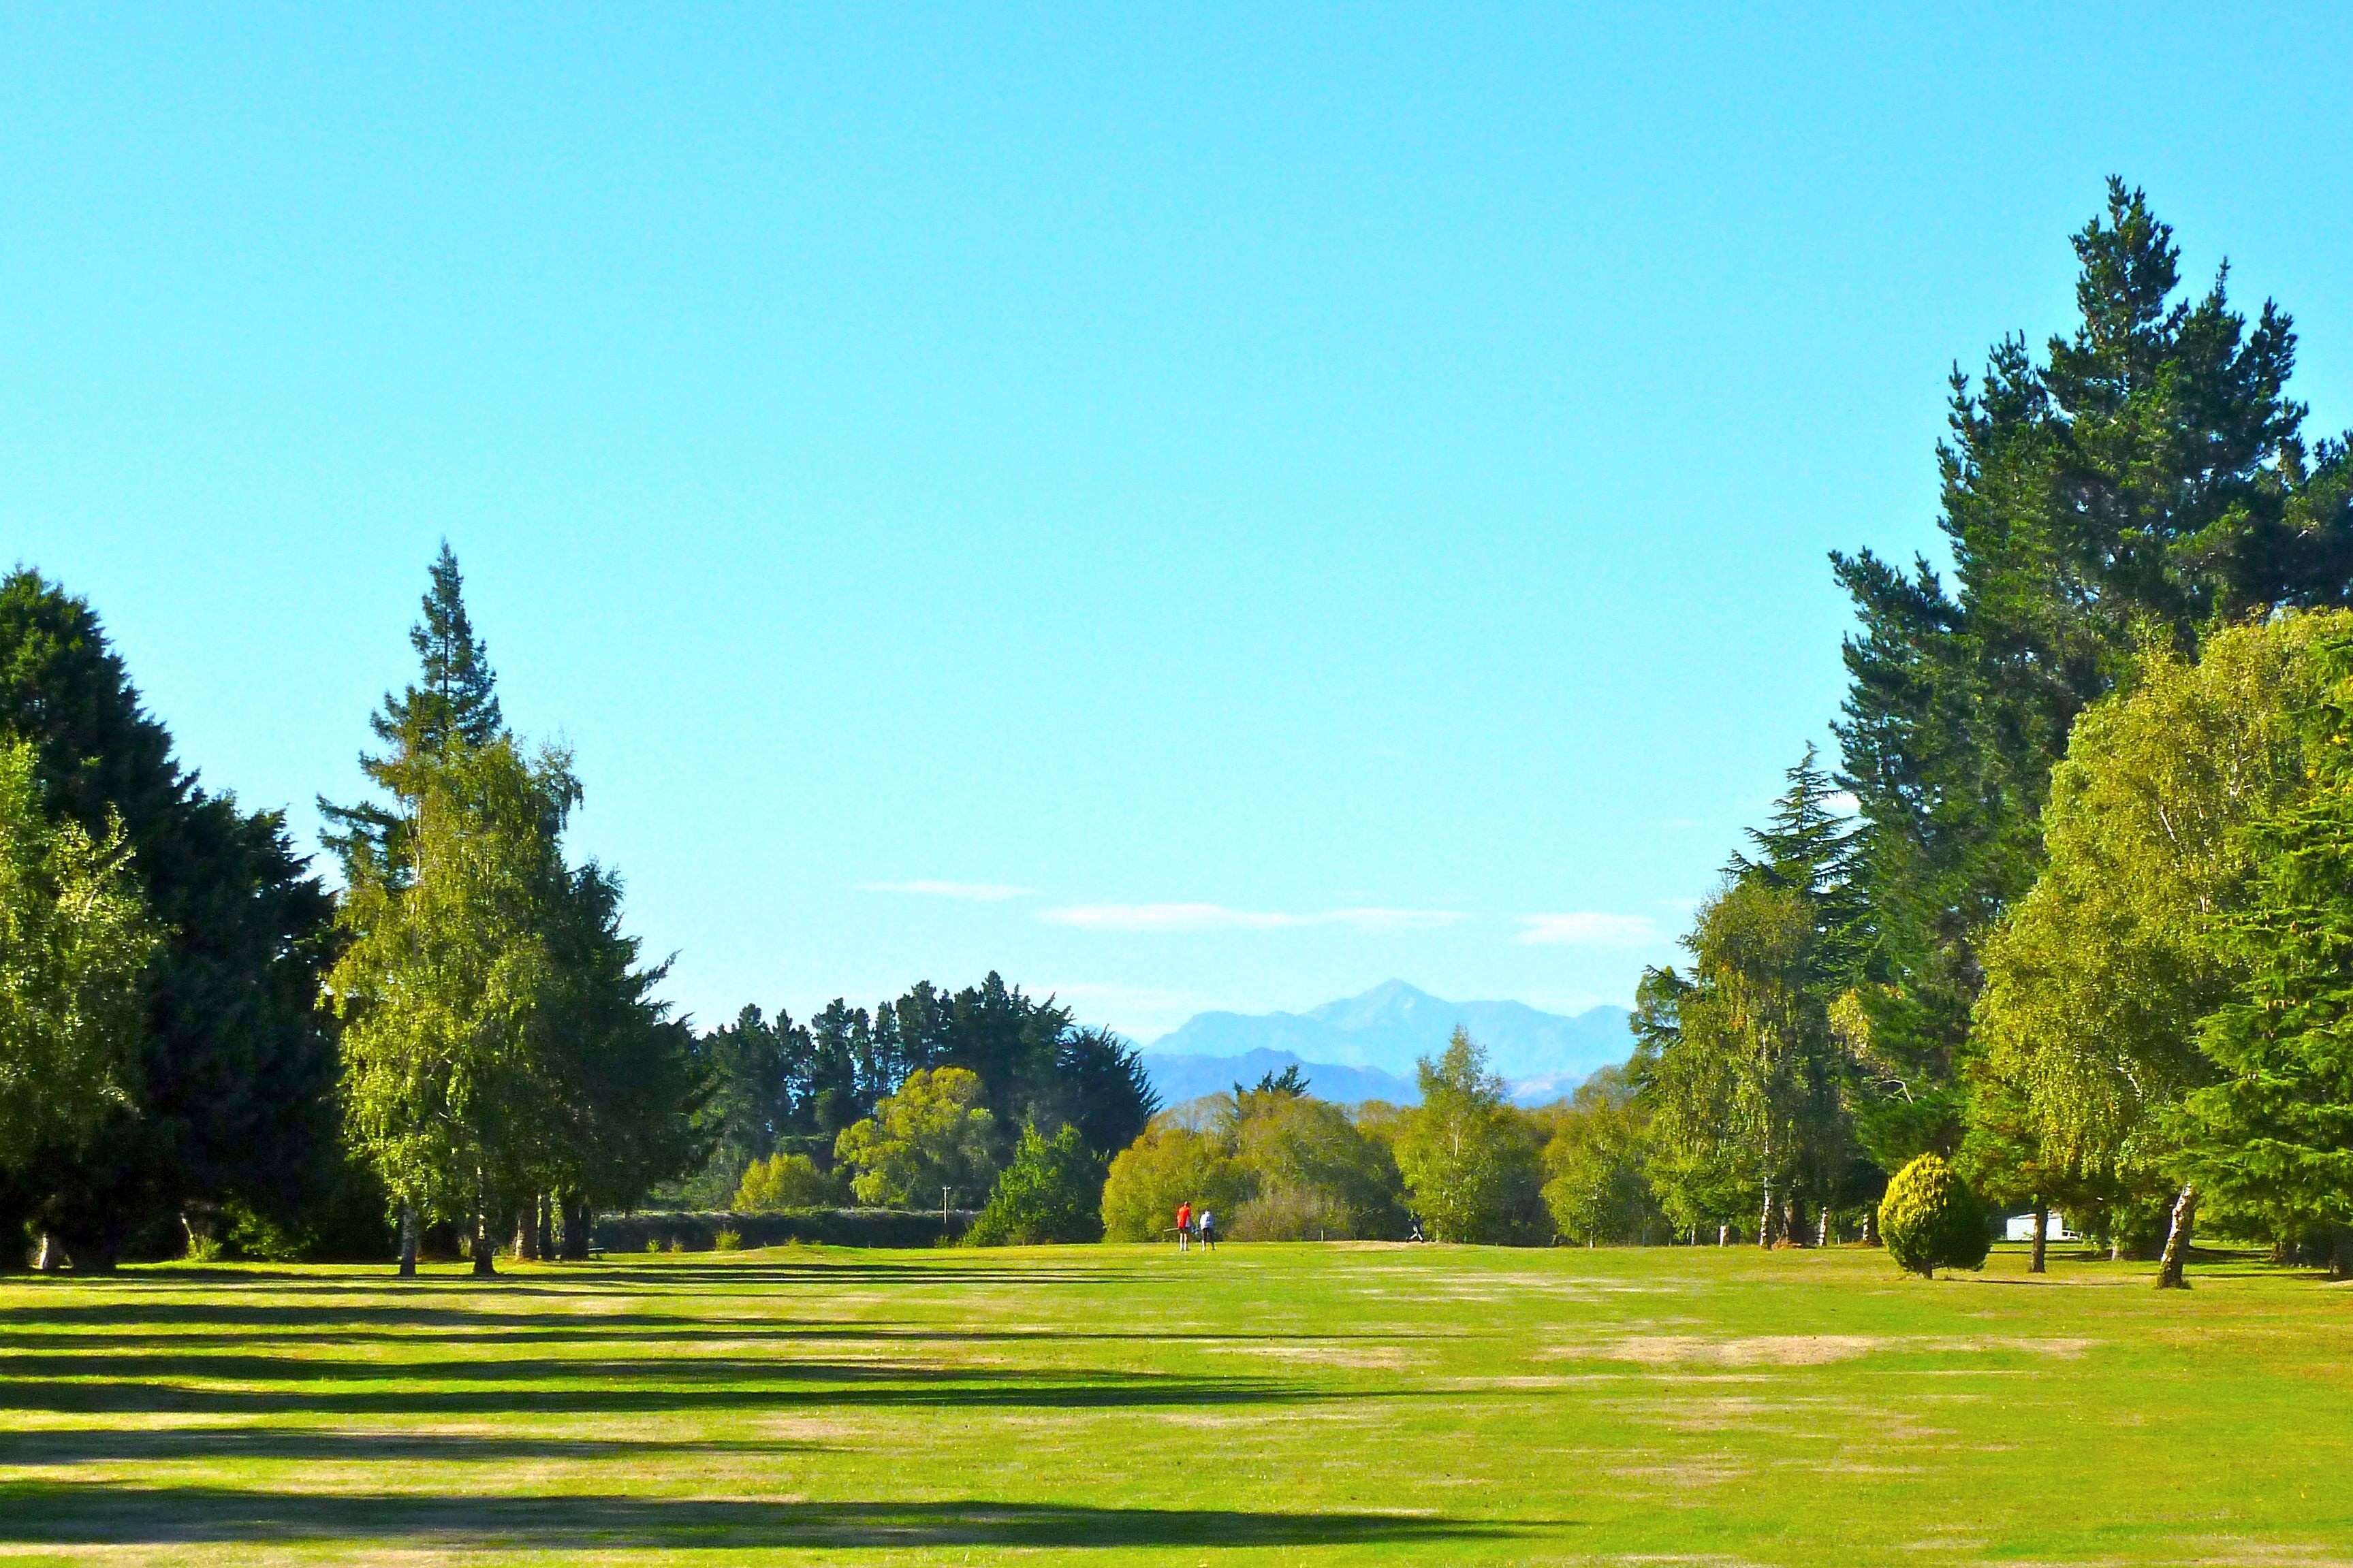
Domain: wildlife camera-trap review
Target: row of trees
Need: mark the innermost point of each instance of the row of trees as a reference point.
(166, 1076)
(795, 1102)
(2080, 924)
(1464, 1163)
(202, 1046)
(503, 1053)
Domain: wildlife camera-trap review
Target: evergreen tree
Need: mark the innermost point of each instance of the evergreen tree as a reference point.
(236, 1064)
(2274, 1137)
(2149, 472)
(1737, 1064)
(630, 1084)
(745, 1109)
(453, 701)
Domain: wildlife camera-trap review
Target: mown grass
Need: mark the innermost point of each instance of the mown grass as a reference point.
(1263, 1405)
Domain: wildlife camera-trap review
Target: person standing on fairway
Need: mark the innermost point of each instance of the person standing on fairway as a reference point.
(1209, 1223)
(1184, 1224)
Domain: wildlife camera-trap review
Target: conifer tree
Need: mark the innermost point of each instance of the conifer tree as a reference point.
(235, 1072)
(2147, 471)
(2274, 1137)
(452, 701)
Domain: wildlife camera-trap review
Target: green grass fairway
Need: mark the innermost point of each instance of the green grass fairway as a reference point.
(1264, 1404)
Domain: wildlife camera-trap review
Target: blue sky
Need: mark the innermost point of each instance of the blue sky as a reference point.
(1213, 511)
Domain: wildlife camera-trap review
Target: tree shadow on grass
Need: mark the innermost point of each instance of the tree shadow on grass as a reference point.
(60, 1446)
(40, 1514)
(495, 1333)
(576, 1282)
(639, 1388)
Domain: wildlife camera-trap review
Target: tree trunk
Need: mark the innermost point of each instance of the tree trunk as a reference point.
(576, 1230)
(482, 1264)
(2176, 1241)
(1871, 1224)
(1765, 1220)
(49, 1258)
(2042, 1237)
(2340, 1257)
(1823, 1238)
(408, 1241)
(543, 1219)
(526, 1236)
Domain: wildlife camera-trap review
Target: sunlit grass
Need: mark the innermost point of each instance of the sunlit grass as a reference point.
(1270, 1404)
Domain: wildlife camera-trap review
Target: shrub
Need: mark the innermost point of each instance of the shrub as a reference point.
(727, 1241)
(1930, 1220)
(1317, 1176)
(1051, 1192)
(784, 1182)
(1170, 1165)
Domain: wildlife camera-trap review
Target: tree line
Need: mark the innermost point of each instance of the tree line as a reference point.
(207, 1050)
(2072, 910)
(2068, 913)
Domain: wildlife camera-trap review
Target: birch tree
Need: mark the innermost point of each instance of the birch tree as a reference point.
(74, 938)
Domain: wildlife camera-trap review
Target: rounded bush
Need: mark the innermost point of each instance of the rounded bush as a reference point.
(1930, 1220)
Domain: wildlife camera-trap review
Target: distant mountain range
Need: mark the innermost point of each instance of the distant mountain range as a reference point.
(1182, 1078)
(1364, 1048)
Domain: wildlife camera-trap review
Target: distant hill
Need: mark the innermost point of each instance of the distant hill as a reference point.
(1181, 1078)
(1542, 1054)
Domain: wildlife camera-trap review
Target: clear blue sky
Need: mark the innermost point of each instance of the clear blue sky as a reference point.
(1281, 499)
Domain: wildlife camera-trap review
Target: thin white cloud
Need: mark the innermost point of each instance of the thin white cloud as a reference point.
(1842, 801)
(1589, 928)
(971, 892)
(1217, 917)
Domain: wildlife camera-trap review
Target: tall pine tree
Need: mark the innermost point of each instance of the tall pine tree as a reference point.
(2274, 1137)
(2149, 472)
(453, 701)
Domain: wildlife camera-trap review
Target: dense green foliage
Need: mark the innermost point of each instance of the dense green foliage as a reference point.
(2097, 979)
(779, 1085)
(2031, 946)
(1052, 1191)
(503, 1053)
(2147, 476)
(1597, 1165)
(75, 940)
(1472, 1164)
(231, 1092)
(929, 1142)
(1314, 1175)
(2273, 1135)
(1171, 1163)
(786, 1181)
